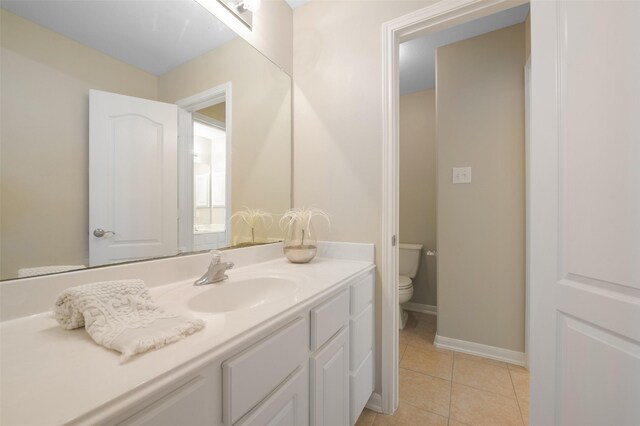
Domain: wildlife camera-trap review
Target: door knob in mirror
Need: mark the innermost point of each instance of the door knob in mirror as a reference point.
(99, 232)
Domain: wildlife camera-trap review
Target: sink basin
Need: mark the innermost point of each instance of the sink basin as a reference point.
(238, 293)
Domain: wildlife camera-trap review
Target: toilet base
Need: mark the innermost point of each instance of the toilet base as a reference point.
(405, 294)
(402, 317)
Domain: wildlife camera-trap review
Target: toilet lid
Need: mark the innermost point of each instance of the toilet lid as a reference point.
(404, 282)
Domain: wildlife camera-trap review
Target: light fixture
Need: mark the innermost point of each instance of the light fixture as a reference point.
(250, 5)
(243, 9)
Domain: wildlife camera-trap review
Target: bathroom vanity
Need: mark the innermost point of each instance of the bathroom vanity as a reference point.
(298, 351)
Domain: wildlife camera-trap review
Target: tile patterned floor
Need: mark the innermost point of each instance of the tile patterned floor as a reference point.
(441, 387)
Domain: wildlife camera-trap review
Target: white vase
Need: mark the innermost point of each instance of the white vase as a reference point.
(300, 242)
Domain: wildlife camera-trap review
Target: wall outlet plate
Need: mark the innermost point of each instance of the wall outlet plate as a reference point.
(462, 175)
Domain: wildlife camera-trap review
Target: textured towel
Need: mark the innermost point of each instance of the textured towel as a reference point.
(120, 315)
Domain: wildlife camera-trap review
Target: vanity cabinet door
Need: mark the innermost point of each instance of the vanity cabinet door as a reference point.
(330, 382)
(361, 331)
(186, 406)
(287, 406)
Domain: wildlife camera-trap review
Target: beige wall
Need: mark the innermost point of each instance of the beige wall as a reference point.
(217, 111)
(418, 186)
(261, 121)
(337, 125)
(271, 34)
(45, 80)
(481, 226)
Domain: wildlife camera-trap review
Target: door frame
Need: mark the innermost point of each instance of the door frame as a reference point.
(436, 17)
(527, 209)
(213, 96)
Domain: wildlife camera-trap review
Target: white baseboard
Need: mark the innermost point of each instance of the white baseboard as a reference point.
(419, 307)
(375, 403)
(492, 352)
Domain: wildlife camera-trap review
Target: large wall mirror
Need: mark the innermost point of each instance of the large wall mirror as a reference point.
(132, 130)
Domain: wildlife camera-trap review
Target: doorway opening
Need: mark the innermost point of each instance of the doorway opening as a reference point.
(209, 178)
(204, 172)
(430, 20)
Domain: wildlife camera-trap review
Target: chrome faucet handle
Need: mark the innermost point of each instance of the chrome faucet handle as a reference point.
(216, 256)
(216, 270)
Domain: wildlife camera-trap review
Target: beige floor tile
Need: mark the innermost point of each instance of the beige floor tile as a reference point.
(523, 403)
(412, 321)
(416, 329)
(479, 408)
(481, 359)
(516, 367)
(422, 338)
(404, 338)
(431, 330)
(425, 320)
(420, 320)
(432, 361)
(366, 418)
(408, 415)
(426, 392)
(403, 349)
(455, 423)
(418, 337)
(520, 381)
(483, 376)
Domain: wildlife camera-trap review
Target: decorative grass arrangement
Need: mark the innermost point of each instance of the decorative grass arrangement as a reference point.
(300, 241)
(253, 219)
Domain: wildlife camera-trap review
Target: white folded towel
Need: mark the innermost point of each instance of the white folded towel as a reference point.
(120, 315)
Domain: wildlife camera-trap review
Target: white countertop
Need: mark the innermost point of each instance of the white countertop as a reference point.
(52, 376)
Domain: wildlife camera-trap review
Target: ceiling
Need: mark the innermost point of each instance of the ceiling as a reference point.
(154, 35)
(159, 35)
(417, 56)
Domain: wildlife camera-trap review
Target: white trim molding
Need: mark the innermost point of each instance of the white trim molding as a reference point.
(375, 403)
(441, 15)
(212, 96)
(478, 349)
(419, 307)
(390, 223)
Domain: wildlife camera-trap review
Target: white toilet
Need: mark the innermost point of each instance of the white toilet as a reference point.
(408, 268)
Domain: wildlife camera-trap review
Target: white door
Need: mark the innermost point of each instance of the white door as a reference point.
(288, 405)
(585, 204)
(133, 201)
(330, 382)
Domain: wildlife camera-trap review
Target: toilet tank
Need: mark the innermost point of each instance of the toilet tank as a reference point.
(409, 259)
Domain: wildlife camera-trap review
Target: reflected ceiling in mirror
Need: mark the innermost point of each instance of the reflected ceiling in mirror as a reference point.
(153, 35)
(55, 52)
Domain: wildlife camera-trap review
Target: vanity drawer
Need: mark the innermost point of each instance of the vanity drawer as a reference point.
(361, 327)
(361, 293)
(328, 318)
(253, 374)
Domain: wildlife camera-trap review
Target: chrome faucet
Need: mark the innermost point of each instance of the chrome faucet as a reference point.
(216, 271)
